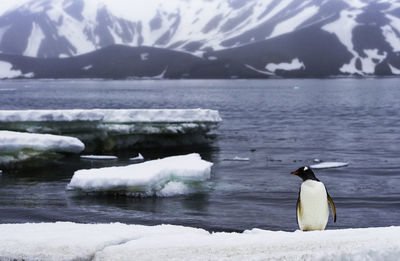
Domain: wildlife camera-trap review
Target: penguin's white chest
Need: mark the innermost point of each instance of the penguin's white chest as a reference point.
(313, 210)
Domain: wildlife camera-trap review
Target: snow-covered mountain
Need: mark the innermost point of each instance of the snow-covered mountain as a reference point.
(269, 37)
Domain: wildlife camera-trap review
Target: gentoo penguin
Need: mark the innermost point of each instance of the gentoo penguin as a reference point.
(312, 210)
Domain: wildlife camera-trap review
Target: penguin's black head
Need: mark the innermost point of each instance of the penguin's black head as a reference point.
(305, 173)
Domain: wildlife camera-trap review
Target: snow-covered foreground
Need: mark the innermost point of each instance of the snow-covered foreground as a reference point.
(71, 241)
(107, 129)
(164, 177)
(19, 146)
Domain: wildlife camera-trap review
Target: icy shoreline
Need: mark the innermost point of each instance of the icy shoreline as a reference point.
(108, 129)
(116, 241)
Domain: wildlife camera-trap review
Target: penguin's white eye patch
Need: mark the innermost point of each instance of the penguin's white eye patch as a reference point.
(305, 168)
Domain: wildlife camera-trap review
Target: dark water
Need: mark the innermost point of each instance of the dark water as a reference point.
(277, 126)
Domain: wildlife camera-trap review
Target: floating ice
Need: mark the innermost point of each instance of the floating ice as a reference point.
(139, 157)
(236, 158)
(328, 165)
(99, 157)
(18, 146)
(106, 130)
(71, 241)
(11, 141)
(145, 179)
(110, 115)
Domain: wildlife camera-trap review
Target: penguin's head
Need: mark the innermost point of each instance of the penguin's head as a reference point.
(305, 173)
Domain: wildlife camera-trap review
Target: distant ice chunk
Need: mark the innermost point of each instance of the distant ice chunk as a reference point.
(98, 157)
(139, 157)
(169, 176)
(237, 158)
(328, 165)
(18, 147)
(107, 129)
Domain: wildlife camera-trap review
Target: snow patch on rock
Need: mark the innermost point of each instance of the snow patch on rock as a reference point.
(6, 71)
(35, 40)
(295, 64)
(294, 22)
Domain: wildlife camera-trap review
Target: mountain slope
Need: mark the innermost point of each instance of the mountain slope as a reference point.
(120, 61)
(300, 38)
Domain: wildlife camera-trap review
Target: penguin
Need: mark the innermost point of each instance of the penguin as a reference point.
(312, 208)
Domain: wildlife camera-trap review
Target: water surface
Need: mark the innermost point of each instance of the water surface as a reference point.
(279, 124)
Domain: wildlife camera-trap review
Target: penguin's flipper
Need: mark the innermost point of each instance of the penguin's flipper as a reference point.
(298, 206)
(333, 207)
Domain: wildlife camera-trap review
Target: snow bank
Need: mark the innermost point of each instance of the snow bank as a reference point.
(328, 165)
(18, 147)
(163, 177)
(69, 241)
(104, 130)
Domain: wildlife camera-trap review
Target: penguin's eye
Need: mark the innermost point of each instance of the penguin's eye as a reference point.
(305, 168)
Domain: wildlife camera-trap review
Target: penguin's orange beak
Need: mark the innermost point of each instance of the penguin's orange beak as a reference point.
(294, 173)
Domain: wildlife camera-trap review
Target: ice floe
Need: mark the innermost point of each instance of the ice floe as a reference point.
(11, 141)
(163, 177)
(18, 146)
(107, 129)
(329, 165)
(116, 241)
(98, 157)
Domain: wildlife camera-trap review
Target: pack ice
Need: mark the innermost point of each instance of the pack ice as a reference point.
(108, 129)
(163, 177)
(18, 146)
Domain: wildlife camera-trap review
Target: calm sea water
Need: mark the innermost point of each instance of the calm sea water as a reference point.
(279, 124)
